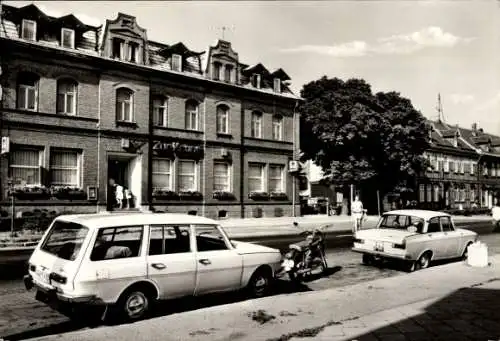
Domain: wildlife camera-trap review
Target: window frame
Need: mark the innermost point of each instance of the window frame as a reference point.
(73, 38)
(115, 228)
(277, 85)
(216, 68)
(195, 175)
(222, 109)
(22, 83)
(257, 80)
(282, 178)
(225, 239)
(188, 115)
(133, 51)
(256, 120)
(228, 73)
(262, 176)
(163, 227)
(121, 105)
(78, 167)
(170, 173)
(179, 60)
(120, 44)
(277, 122)
(438, 223)
(34, 23)
(452, 228)
(228, 176)
(67, 81)
(156, 110)
(36, 168)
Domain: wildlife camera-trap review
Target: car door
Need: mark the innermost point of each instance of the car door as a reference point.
(435, 239)
(171, 261)
(451, 238)
(219, 266)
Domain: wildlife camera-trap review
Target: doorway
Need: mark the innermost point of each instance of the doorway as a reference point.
(126, 171)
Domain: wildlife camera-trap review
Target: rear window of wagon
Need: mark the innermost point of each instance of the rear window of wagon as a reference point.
(65, 239)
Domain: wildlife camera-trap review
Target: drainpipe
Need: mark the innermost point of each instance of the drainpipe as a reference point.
(150, 150)
(99, 147)
(294, 140)
(242, 160)
(204, 155)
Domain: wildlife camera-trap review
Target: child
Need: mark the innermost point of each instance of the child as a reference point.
(119, 196)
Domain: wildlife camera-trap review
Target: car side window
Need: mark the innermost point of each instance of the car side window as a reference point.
(446, 224)
(168, 239)
(433, 225)
(117, 242)
(209, 238)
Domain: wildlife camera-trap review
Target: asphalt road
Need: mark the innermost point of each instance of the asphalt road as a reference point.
(22, 317)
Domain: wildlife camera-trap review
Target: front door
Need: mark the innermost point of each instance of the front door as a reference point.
(171, 261)
(435, 239)
(219, 267)
(452, 238)
(118, 170)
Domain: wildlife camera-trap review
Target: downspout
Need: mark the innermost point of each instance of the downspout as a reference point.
(204, 155)
(242, 160)
(150, 149)
(294, 140)
(98, 125)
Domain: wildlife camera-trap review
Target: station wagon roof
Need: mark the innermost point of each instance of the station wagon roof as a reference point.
(97, 220)
(424, 214)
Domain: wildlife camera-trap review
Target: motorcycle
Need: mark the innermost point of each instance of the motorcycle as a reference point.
(307, 255)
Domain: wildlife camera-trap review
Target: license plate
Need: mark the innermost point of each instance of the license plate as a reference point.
(44, 276)
(379, 246)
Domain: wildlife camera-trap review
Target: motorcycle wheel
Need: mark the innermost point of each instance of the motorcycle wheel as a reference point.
(294, 277)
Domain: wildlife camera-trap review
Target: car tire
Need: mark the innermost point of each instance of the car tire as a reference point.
(368, 259)
(423, 262)
(260, 283)
(465, 254)
(133, 305)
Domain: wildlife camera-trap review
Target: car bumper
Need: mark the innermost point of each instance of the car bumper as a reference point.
(45, 292)
(381, 254)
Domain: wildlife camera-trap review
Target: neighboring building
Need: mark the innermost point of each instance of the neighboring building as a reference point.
(465, 168)
(185, 131)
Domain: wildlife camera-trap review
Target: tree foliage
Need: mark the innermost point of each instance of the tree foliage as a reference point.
(360, 137)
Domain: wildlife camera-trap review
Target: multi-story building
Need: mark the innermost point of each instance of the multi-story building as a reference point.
(184, 131)
(464, 171)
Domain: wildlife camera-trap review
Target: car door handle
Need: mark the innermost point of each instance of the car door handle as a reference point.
(159, 266)
(205, 261)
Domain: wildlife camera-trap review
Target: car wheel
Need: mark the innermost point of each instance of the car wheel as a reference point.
(260, 283)
(368, 259)
(465, 254)
(134, 305)
(423, 262)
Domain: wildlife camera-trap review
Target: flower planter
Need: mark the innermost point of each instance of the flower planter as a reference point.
(259, 196)
(195, 196)
(31, 193)
(165, 195)
(224, 196)
(279, 196)
(68, 193)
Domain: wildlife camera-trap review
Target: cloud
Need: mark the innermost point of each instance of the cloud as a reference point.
(397, 44)
(461, 98)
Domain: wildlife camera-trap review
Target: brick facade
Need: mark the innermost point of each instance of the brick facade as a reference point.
(107, 142)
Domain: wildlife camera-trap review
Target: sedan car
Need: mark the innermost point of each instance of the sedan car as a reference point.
(126, 262)
(416, 237)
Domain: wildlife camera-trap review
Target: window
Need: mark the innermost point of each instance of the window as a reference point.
(462, 167)
(27, 93)
(256, 81)
(222, 119)
(68, 38)
(429, 193)
(160, 111)
(446, 224)
(28, 30)
(228, 73)
(457, 167)
(433, 225)
(222, 176)
(216, 71)
(209, 238)
(421, 193)
(462, 194)
(66, 97)
(440, 166)
(118, 48)
(278, 127)
(446, 167)
(256, 129)
(25, 165)
(176, 62)
(117, 242)
(65, 240)
(191, 115)
(167, 240)
(436, 193)
(256, 177)
(64, 170)
(277, 85)
(162, 174)
(451, 166)
(124, 105)
(276, 178)
(473, 167)
(133, 52)
(187, 176)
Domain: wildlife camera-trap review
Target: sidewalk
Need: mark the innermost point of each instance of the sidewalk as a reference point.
(449, 302)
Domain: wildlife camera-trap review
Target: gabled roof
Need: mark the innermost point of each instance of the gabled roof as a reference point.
(258, 68)
(73, 22)
(33, 11)
(281, 75)
(180, 49)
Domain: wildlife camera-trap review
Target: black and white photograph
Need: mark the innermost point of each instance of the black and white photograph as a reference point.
(250, 170)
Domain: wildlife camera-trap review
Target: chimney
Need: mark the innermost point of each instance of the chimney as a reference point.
(474, 126)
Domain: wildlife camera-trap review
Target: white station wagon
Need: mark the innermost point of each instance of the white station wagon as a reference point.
(414, 236)
(128, 261)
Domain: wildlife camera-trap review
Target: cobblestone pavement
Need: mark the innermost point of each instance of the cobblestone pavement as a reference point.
(468, 314)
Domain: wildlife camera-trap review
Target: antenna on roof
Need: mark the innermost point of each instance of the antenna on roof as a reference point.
(223, 30)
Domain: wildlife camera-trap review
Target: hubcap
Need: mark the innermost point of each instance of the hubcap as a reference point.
(260, 284)
(424, 261)
(136, 304)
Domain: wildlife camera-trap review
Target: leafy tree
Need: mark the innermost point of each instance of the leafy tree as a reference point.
(375, 141)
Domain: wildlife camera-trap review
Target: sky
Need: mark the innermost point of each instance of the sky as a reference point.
(417, 48)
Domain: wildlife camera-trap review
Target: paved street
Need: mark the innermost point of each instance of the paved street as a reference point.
(21, 314)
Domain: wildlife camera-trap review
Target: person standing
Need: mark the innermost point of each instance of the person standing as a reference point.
(119, 195)
(495, 212)
(357, 212)
(110, 195)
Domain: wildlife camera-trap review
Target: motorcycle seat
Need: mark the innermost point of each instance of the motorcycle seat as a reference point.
(299, 246)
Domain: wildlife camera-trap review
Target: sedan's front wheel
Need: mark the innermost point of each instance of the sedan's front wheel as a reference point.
(260, 283)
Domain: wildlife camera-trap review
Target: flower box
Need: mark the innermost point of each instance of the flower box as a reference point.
(279, 196)
(165, 195)
(259, 196)
(191, 195)
(30, 193)
(223, 195)
(68, 193)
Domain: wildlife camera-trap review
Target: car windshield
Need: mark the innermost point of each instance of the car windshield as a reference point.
(401, 222)
(65, 239)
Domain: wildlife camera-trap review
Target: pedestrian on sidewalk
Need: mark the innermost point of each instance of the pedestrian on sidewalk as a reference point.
(357, 212)
(495, 212)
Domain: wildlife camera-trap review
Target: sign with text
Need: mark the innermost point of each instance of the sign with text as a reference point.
(293, 166)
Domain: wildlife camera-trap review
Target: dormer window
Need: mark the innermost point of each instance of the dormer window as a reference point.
(118, 45)
(455, 142)
(216, 71)
(133, 52)
(68, 38)
(28, 30)
(277, 85)
(177, 62)
(228, 70)
(256, 81)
